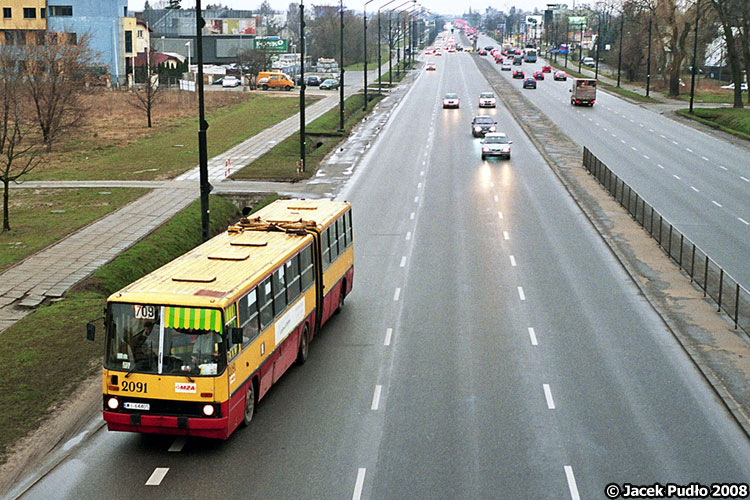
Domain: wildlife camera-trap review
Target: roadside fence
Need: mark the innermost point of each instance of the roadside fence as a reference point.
(729, 295)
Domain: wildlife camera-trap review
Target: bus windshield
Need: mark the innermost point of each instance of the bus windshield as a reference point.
(140, 339)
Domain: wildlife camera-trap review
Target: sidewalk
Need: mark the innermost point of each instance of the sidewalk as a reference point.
(51, 272)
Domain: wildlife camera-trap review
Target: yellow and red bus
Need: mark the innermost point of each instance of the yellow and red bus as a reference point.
(192, 347)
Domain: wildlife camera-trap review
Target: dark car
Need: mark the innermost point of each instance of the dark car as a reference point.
(529, 83)
(489, 47)
(518, 73)
(482, 125)
(560, 75)
(329, 84)
(517, 60)
(538, 75)
(313, 81)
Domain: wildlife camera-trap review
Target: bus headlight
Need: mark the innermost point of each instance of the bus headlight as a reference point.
(113, 403)
(208, 410)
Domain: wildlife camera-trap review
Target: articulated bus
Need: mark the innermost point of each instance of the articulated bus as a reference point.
(193, 347)
(529, 55)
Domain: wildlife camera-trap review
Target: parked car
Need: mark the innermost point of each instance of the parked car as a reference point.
(547, 68)
(451, 101)
(274, 80)
(589, 61)
(218, 81)
(529, 83)
(329, 84)
(731, 86)
(518, 73)
(496, 144)
(538, 75)
(313, 81)
(486, 100)
(482, 125)
(230, 81)
(560, 75)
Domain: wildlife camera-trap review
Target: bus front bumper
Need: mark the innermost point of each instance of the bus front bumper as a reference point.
(161, 424)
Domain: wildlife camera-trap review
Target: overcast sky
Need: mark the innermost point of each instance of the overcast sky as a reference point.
(438, 6)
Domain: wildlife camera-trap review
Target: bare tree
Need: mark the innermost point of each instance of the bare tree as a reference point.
(57, 77)
(146, 97)
(728, 11)
(252, 61)
(19, 153)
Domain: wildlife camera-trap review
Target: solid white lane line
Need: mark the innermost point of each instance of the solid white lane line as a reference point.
(505, 235)
(359, 484)
(571, 483)
(695, 189)
(532, 336)
(396, 294)
(411, 216)
(717, 203)
(548, 397)
(388, 335)
(403, 261)
(157, 476)
(408, 236)
(178, 444)
(512, 261)
(376, 397)
(521, 294)
(743, 221)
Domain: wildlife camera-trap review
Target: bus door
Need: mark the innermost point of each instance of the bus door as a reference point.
(318, 271)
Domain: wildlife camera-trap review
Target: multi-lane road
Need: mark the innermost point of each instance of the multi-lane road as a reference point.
(699, 183)
(479, 355)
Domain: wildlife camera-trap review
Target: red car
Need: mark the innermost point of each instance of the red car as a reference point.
(518, 74)
(498, 60)
(547, 69)
(538, 75)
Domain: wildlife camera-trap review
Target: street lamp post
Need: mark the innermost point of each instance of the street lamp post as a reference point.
(205, 186)
(598, 42)
(341, 68)
(619, 55)
(390, 42)
(695, 55)
(380, 64)
(302, 152)
(580, 48)
(648, 62)
(364, 107)
(187, 44)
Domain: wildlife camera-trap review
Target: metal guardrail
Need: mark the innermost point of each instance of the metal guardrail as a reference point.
(730, 296)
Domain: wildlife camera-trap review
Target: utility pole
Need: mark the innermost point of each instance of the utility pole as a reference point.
(205, 187)
(302, 152)
(695, 55)
(648, 63)
(619, 55)
(341, 68)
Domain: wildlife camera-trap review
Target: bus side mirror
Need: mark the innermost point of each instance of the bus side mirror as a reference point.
(236, 334)
(90, 331)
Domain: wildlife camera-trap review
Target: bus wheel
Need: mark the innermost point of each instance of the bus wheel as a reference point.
(342, 295)
(304, 347)
(249, 404)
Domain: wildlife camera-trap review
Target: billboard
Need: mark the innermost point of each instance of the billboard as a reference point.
(576, 21)
(224, 26)
(271, 43)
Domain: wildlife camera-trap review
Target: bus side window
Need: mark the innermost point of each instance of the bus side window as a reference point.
(324, 245)
(349, 235)
(333, 242)
(265, 303)
(306, 268)
(279, 291)
(232, 349)
(291, 268)
(248, 312)
(342, 234)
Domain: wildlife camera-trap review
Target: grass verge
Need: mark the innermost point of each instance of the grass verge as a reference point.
(626, 93)
(169, 153)
(40, 217)
(322, 136)
(45, 355)
(730, 120)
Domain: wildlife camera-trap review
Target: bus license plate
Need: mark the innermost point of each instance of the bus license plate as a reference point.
(136, 406)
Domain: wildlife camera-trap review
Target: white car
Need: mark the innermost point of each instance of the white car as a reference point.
(588, 61)
(486, 100)
(731, 86)
(230, 81)
(496, 145)
(451, 101)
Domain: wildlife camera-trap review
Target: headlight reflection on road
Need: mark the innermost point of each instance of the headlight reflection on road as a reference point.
(484, 176)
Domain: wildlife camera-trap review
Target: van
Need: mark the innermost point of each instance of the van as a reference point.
(274, 80)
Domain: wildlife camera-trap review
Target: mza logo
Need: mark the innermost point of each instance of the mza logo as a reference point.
(184, 387)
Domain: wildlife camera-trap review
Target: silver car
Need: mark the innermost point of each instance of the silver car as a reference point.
(496, 145)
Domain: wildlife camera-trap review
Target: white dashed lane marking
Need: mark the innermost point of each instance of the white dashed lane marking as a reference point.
(157, 476)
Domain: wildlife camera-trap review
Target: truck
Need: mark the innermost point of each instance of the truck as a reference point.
(583, 92)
